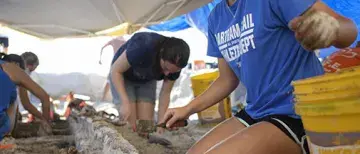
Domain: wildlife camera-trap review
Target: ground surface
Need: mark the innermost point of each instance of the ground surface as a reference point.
(98, 136)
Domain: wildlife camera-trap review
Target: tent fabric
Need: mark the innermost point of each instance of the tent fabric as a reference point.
(196, 19)
(123, 29)
(346, 8)
(173, 25)
(54, 18)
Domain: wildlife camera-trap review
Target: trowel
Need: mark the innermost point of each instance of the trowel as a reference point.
(180, 123)
(146, 128)
(149, 125)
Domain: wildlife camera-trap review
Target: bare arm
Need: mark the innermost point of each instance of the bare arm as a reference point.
(106, 90)
(117, 70)
(164, 98)
(22, 79)
(24, 97)
(119, 67)
(220, 89)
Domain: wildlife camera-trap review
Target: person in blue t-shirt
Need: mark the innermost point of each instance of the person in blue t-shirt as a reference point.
(12, 76)
(22, 92)
(142, 60)
(265, 44)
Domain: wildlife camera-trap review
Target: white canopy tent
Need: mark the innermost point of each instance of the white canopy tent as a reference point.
(73, 18)
(82, 18)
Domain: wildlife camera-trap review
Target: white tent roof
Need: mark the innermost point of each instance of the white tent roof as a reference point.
(68, 18)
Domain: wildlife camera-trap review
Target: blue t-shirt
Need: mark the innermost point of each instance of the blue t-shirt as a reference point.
(7, 90)
(254, 38)
(7, 96)
(142, 54)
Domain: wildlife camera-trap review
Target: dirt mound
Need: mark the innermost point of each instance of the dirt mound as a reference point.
(41, 145)
(28, 139)
(181, 139)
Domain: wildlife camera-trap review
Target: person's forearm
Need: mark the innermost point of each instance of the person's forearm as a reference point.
(106, 90)
(220, 89)
(24, 98)
(164, 101)
(45, 104)
(347, 33)
(118, 80)
(32, 110)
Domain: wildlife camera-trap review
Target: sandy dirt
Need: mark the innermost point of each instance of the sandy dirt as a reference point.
(40, 145)
(28, 141)
(181, 139)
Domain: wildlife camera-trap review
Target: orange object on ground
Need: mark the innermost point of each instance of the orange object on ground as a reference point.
(199, 64)
(31, 117)
(76, 103)
(6, 146)
(67, 112)
(342, 59)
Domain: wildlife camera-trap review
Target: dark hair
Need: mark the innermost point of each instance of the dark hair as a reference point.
(358, 44)
(30, 58)
(13, 58)
(176, 51)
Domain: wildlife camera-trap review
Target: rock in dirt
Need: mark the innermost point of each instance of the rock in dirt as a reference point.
(71, 150)
(88, 111)
(158, 139)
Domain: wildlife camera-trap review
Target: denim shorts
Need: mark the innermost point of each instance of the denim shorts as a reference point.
(137, 92)
(291, 127)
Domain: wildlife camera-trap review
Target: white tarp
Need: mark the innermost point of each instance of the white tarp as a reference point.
(62, 18)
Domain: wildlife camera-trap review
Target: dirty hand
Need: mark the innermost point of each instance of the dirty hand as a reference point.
(315, 29)
(125, 111)
(160, 130)
(46, 126)
(175, 114)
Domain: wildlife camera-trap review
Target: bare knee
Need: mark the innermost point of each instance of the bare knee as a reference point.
(216, 135)
(271, 139)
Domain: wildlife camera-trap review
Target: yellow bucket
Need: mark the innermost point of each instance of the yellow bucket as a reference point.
(329, 106)
(339, 81)
(325, 97)
(202, 81)
(217, 112)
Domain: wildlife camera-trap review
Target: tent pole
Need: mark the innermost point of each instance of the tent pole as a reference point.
(173, 2)
(153, 15)
(182, 2)
(176, 9)
(118, 13)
